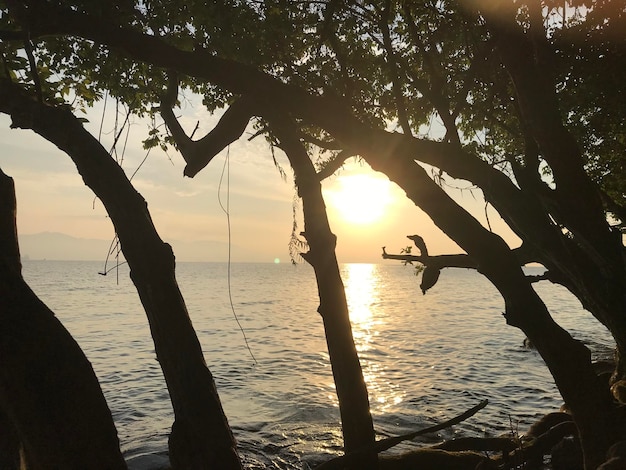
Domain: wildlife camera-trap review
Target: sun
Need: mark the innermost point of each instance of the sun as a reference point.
(360, 199)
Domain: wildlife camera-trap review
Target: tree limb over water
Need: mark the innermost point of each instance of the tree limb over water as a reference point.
(386, 444)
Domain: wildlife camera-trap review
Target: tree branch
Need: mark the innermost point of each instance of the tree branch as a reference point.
(403, 117)
(331, 166)
(345, 461)
(28, 47)
(578, 198)
(324, 144)
(199, 153)
(437, 261)
(356, 419)
(200, 435)
(460, 260)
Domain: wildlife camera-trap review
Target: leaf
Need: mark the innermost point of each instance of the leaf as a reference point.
(429, 278)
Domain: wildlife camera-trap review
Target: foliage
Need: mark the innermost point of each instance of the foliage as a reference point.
(429, 65)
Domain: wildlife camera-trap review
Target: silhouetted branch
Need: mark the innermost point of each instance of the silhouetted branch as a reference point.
(200, 431)
(386, 444)
(479, 444)
(325, 144)
(439, 261)
(332, 165)
(401, 111)
(198, 153)
(460, 260)
(28, 47)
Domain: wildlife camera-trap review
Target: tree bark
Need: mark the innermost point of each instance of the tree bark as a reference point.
(200, 437)
(48, 390)
(10, 445)
(356, 419)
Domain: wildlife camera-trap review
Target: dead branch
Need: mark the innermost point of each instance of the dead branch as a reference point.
(386, 444)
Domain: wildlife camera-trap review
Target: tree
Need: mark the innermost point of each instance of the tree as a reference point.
(51, 405)
(200, 437)
(498, 76)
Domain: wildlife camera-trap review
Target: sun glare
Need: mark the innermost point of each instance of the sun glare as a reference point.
(360, 199)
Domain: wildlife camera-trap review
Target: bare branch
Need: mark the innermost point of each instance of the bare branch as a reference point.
(386, 444)
(199, 153)
(438, 261)
(332, 165)
(462, 260)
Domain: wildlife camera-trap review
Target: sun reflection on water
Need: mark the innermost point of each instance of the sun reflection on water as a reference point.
(363, 285)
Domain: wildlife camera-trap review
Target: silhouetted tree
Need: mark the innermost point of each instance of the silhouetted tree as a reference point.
(530, 96)
(52, 410)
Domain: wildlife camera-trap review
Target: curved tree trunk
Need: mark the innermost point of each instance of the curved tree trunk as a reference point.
(48, 390)
(356, 419)
(569, 360)
(201, 437)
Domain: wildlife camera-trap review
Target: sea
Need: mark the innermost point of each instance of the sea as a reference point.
(425, 358)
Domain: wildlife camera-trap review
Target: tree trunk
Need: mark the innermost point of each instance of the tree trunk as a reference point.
(10, 445)
(201, 437)
(48, 389)
(569, 360)
(356, 419)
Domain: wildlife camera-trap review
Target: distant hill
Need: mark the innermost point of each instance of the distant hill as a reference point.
(59, 246)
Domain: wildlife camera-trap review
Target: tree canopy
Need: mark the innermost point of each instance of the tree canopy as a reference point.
(398, 65)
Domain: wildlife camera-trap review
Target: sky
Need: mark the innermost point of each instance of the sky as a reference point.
(365, 210)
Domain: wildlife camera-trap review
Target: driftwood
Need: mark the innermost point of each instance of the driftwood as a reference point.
(386, 444)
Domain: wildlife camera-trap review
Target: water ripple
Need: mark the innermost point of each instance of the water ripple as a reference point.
(425, 358)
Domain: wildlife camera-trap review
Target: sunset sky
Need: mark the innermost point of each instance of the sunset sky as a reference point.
(366, 211)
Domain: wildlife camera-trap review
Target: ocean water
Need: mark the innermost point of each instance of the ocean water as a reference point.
(426, 358)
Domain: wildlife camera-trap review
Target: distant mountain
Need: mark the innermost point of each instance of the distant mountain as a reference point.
(59, 246)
